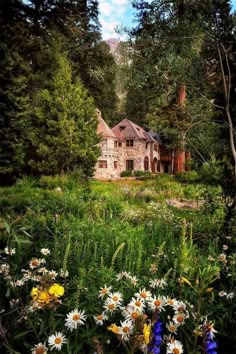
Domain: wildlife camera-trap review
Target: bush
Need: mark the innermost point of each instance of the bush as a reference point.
(187, 177)
(142, 173)
(126, 173)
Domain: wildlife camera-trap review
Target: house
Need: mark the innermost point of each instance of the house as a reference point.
(127, 146)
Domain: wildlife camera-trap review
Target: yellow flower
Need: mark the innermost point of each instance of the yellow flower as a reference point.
(34, 293)
(113, 327)
(44, 297)
(56, 290)
(146, 333)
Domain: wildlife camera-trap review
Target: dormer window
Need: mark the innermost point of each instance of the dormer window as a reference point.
(129, 142)
(122, 127)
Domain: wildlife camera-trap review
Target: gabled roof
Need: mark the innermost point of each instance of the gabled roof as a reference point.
(103, 128)
(127, 129)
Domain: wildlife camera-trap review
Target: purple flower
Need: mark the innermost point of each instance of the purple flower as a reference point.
(157, 331)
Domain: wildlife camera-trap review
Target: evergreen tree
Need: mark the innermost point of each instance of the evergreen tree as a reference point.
(15, 71)
(64, 125)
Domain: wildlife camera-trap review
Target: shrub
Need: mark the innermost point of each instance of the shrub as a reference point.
(187, 177)
(126, 173)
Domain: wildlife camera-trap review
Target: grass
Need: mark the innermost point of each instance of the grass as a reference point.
(110, 227)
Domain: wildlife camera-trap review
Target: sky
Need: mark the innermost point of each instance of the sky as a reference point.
(116, 13)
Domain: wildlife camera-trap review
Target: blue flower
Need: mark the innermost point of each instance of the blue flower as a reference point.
(157, 331)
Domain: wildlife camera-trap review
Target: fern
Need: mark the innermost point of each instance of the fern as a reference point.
(119, 248)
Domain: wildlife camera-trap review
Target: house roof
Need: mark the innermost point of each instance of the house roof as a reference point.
(103, 128)
(127, 129)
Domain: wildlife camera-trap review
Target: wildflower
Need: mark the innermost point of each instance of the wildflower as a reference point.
(179, 317)
(104, 291)
(42, 270)
(210, 345)
(35, 293)
(9, 251)
(114, 328)
(116, 297)
(64, 273)
(225, 247)
(171, 302)
(210, 258)
(222, 293)
(74, 319)
(110, 305)
(52, 274)
(100, 319)
(158, 283)
(172, 327)
(157, 331)
(45, 251)
(56, 290)
(143, 294)
(146, 333)
(39, 349)
(222, 258)
(34, 263)
(133, 280)
(174, 347)
(179, 306)
(121, 275)
(137, 304)
(126, 329)
(155, 303)
(44, 297)
(230, 296)
(56, 340)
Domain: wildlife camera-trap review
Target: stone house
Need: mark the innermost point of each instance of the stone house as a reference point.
(127, 146)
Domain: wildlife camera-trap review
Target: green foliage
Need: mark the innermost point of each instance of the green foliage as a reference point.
(127, 173)
(113, 227)
(64, 117)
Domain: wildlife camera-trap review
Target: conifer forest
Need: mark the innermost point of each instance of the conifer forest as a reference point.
(118, 177)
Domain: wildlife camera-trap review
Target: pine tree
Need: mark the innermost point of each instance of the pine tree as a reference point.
(64, 125)
(15, 71)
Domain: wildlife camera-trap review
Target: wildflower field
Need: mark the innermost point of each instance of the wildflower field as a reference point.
(132, 266)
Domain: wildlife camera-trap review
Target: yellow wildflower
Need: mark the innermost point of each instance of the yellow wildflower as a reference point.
(34, 293)
(56, 290)
(146, 333)
(44, 297)
(113, 327)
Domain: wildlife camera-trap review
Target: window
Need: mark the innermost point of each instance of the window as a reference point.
(115, 144)
(102, 164)
(129, 165)
(115, 164)
(122, 127)
(146, 163)
(130, 142)
(155, 147)
(146, 145)
(120, 143)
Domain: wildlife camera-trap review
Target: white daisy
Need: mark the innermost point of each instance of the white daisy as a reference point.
(179, 317)
(156, 303)
(158, 283)
(74, 319)
(64, 273)
(45, 251)
(57, 340)
(175, 347)
(126, 329)
(130, 313)
(172, 327)
(143, 294)
(100, 319)
(10, 251)
(35, 263)
(104, 291)
(133, 280)
(110, 305)
(39, 348)
(137, 304)
(179, 306)
(116, 297)
(52, 274)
